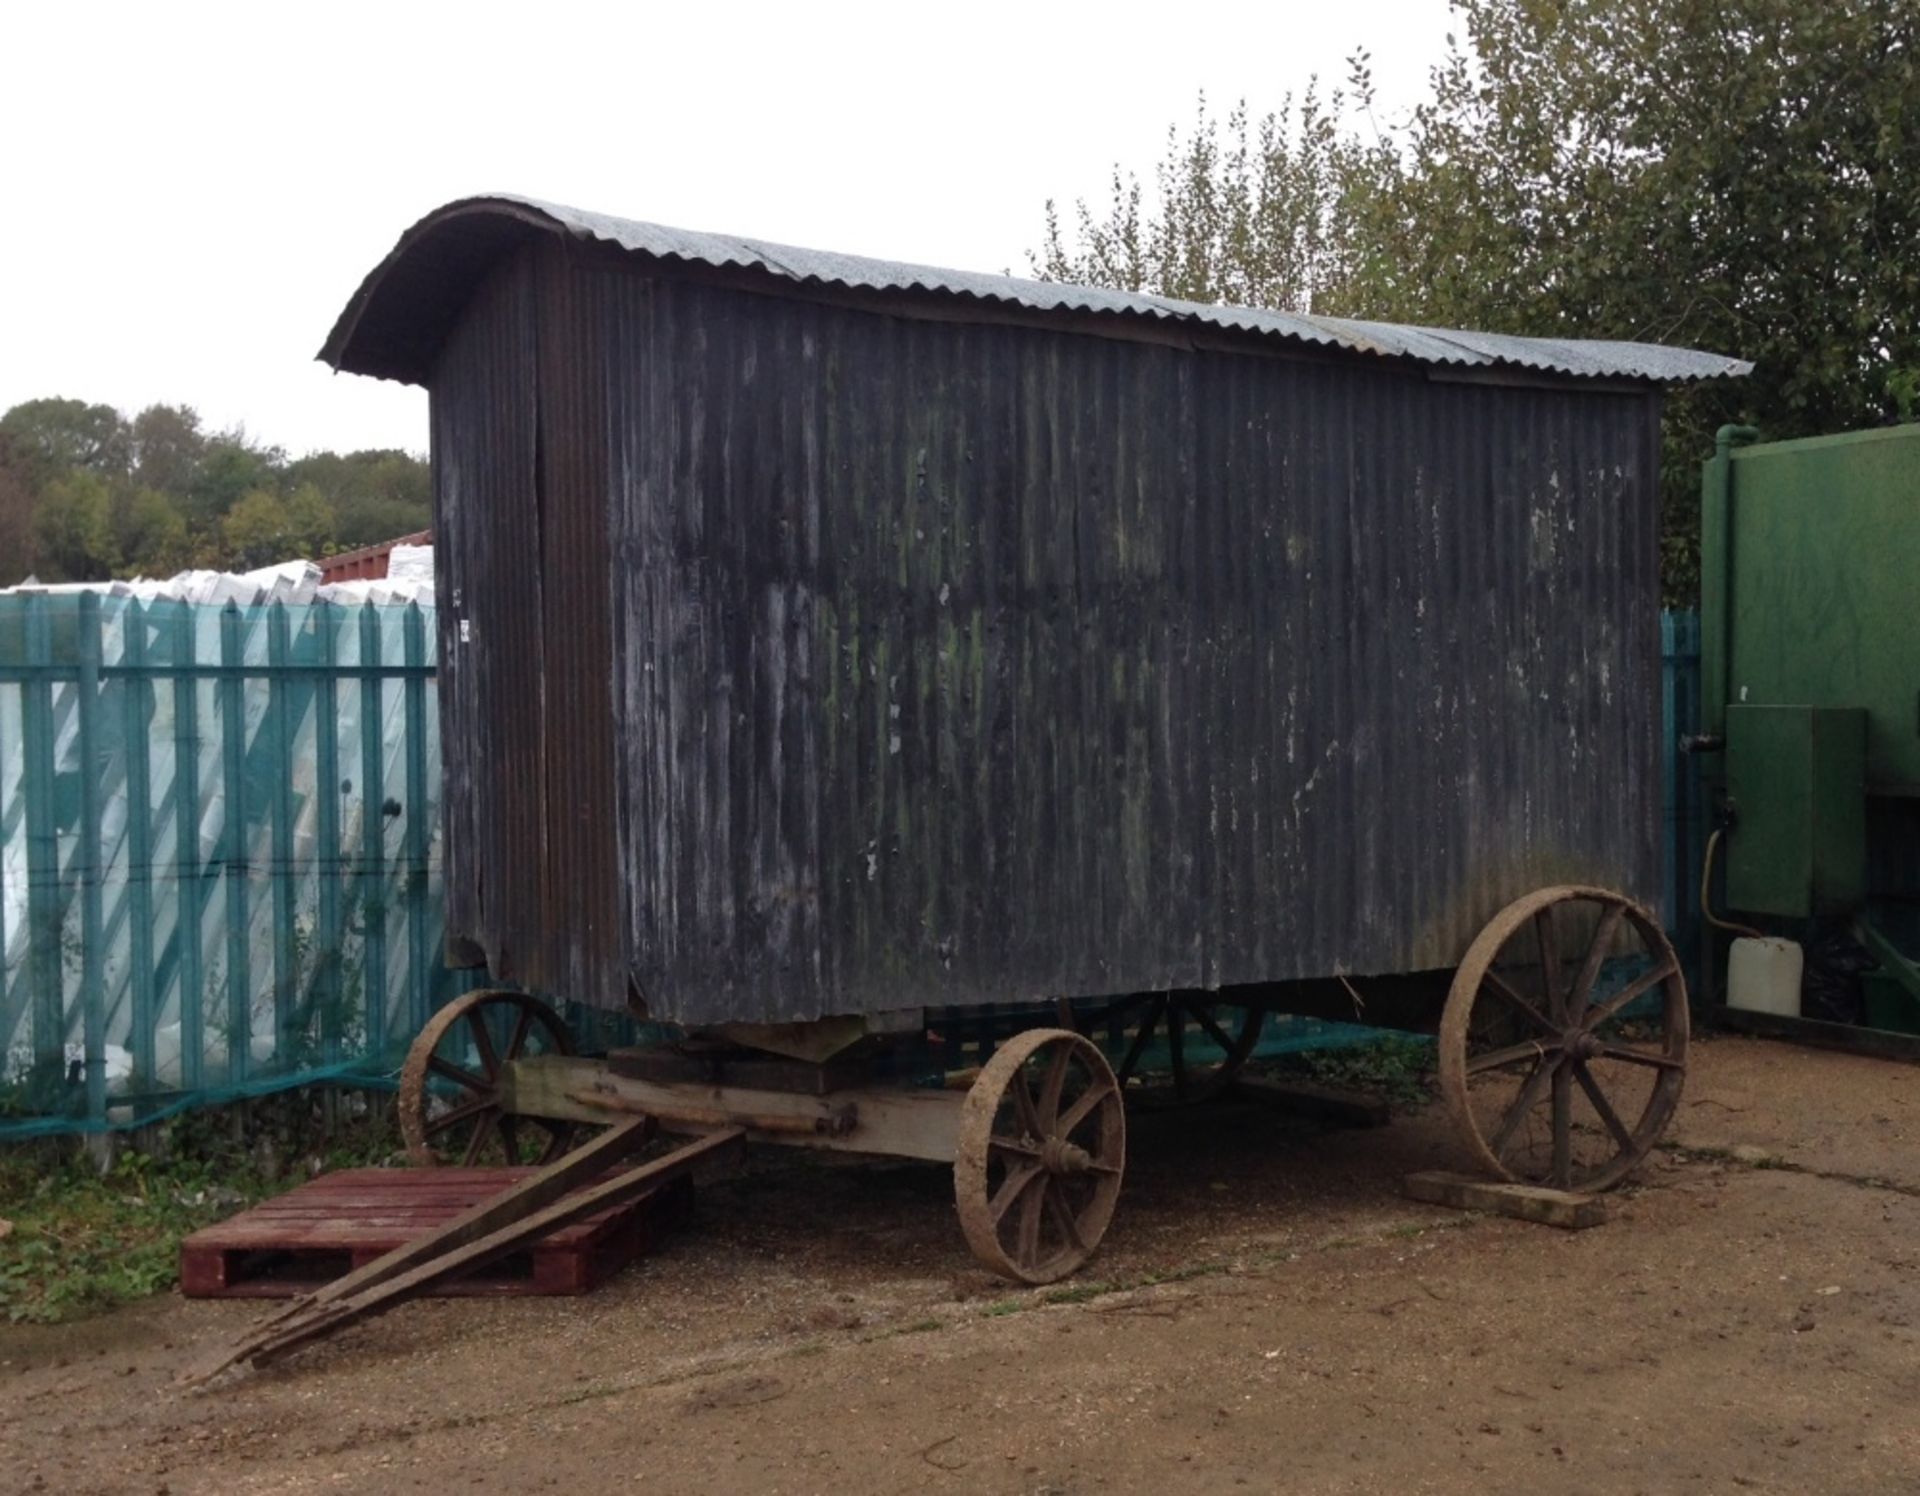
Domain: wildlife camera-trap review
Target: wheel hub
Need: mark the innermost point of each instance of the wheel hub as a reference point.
(1579, 1044)
(1058, 1156)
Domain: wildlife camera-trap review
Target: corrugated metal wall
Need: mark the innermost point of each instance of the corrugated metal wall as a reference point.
(964, 662)
(524, 587)
(488, 589)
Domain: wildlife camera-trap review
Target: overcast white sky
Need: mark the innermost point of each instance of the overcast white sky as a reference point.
(193, 190)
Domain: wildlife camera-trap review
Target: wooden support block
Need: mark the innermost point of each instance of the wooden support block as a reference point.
(1524, 1202)
(1302, 1098)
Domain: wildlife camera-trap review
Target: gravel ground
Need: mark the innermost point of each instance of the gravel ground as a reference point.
(1269, 1314)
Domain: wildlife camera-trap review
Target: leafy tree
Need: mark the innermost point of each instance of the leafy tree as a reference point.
(151, 534)
(1740, 175)
(262, 528)
(17, 541)
(168, 448)
(377, 494)
(175, 495)
(1257, 218)
(73, 529)
(232, 468)
(368, 521)
(53, 436)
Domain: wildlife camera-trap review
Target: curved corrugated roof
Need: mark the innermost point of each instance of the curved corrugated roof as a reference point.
(395, 322)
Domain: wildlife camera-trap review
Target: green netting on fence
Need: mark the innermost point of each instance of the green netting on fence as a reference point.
(221, 856)
(220, 852)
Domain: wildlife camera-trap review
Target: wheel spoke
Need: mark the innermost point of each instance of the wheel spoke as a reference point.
(1512, 1054)
(510, 1138)
(521, 1027)
(1140, 1037)
(1631, 1056)
(1014, 1145)
(1499, 986)
(483, 1042)
(1033, 1206)
(1562, 1127)
(1177, 1045)
(1544, 937)
(1062, 1215)
(459, 1074)
(1596, 957)
(1082, 1106)
(1011, 1189)
(1051, 1088)
(1023, 1110)
(466, 1111)
(1593, 1018)
(478, 1141)
(1602, 1106)
(1526, 1101)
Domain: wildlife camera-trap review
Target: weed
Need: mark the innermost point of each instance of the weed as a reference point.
(1079, 1293)
(1396, 1067)
(84, 1240)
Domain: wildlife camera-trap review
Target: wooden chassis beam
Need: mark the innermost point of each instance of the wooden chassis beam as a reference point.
(892, 1121)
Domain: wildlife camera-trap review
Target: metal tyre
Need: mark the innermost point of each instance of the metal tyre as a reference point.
(1563, 1047)
(1043, 1145)
(451, 1104)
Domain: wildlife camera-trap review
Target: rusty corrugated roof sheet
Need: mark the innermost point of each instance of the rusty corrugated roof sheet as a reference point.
(396, 321)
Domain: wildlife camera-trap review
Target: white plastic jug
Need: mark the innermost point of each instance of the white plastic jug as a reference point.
(1763, 976)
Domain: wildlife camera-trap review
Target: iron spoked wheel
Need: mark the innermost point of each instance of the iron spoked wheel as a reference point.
(1043, 1144)
(1563, 1047)
(450, 1095)
(1208, 1041)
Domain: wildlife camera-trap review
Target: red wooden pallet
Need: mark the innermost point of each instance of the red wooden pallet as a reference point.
(329, 1226)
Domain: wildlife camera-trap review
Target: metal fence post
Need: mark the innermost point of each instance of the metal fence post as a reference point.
(189, 915)
(233, 745)
(373, 823)
(280, 754)
(86, 856)
(328, 958)
(44, 921)
(419, 957)
(134, 718)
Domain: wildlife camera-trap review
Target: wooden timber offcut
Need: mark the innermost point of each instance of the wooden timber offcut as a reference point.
(1524, 1202)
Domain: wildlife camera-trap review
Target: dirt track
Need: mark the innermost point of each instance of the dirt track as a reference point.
(1737, 1326)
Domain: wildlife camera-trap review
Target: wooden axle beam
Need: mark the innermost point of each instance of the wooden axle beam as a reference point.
(885, 1120)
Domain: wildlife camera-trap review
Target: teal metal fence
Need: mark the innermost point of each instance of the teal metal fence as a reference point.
(219, 839)
(1685, 812)
(220, 849)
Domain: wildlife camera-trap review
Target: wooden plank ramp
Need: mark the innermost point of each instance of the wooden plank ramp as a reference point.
(573, 1189)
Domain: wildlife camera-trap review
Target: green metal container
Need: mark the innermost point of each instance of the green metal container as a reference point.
(1810, 573)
